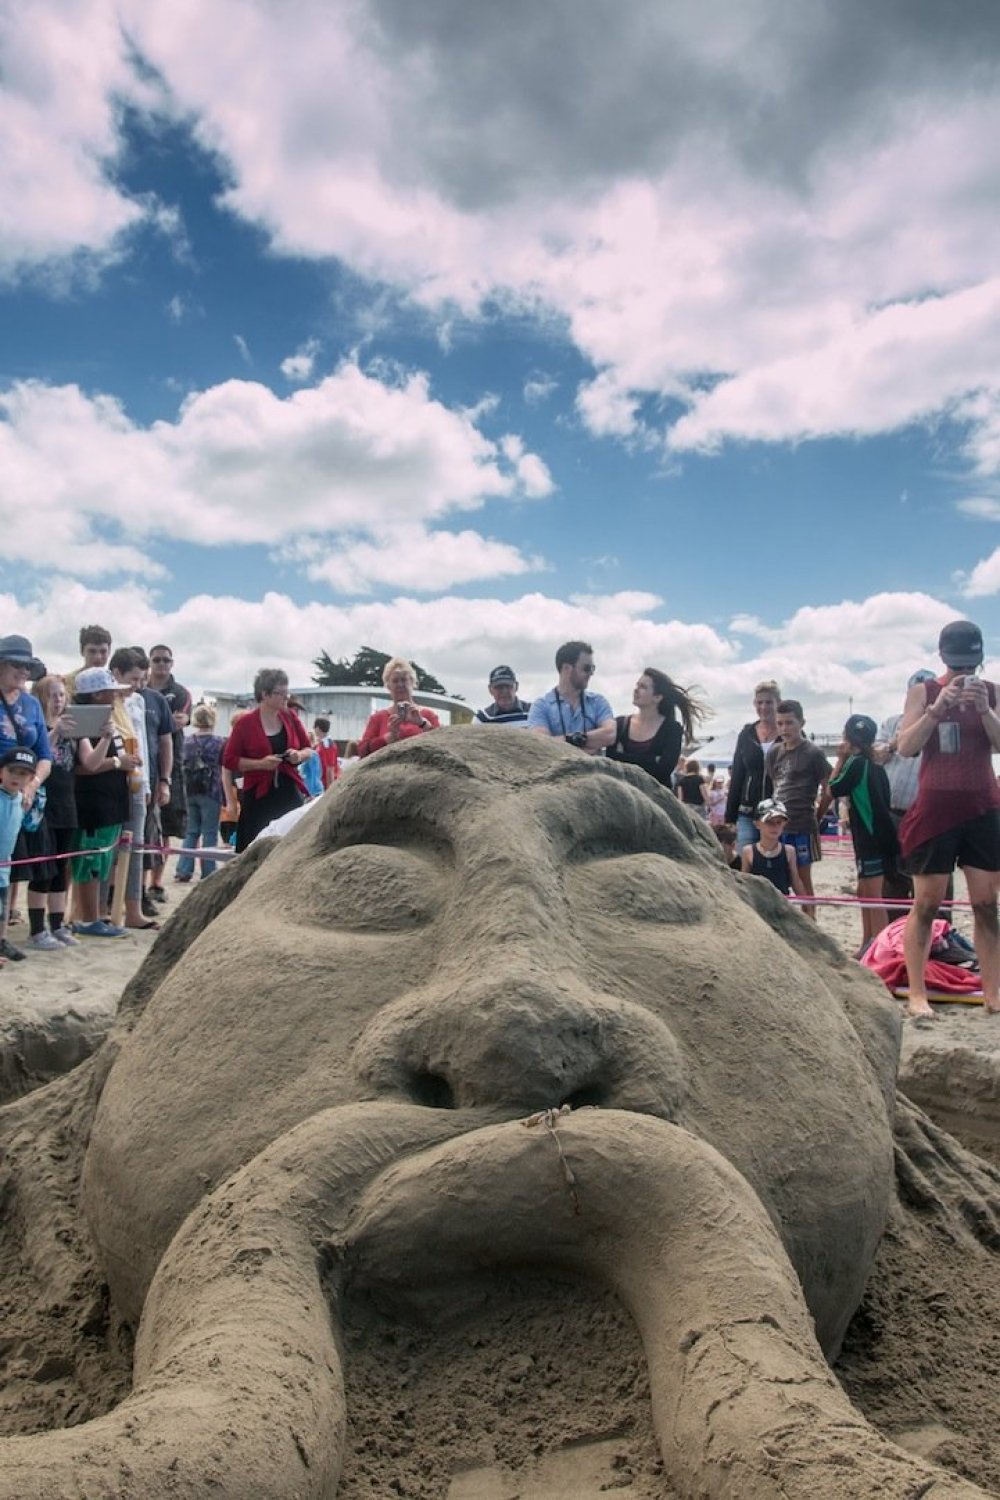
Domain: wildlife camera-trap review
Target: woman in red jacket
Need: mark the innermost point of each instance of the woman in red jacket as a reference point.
(266, 747)
(403, 718)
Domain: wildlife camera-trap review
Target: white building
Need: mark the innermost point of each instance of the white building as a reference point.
(347, 708)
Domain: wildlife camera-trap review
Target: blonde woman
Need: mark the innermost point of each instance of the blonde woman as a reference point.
(202, 765)
(402, 720)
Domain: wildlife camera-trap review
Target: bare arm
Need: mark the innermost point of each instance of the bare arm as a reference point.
(920, 718)
(793, 871)
(603, 736)
(746, 858)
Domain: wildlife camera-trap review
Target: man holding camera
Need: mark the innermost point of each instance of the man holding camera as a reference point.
(569, 711)
(951, 722)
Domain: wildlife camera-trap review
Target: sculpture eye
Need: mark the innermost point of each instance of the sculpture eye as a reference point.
(639, 888)
(375, 888)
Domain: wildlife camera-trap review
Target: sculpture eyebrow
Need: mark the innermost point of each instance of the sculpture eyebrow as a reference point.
(585, 826)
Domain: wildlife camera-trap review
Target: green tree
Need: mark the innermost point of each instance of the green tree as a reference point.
(365, 669)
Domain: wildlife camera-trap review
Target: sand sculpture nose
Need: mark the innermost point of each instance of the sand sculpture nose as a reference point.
(525, 1042)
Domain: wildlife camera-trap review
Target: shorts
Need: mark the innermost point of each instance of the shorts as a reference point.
(87, 864)
(975, 843)
(870, 867)
(806, 846)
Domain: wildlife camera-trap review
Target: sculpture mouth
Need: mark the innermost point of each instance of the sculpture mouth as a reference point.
(238, 1369)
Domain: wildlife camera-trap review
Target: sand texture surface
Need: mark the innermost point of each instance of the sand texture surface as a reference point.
(298, 1154)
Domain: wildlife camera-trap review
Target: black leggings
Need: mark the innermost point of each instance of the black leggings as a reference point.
(54, 885)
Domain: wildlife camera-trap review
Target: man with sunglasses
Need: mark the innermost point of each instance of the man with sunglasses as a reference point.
(570, 711)
(170, 794)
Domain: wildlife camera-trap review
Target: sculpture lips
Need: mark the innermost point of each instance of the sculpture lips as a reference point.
(238, 1386)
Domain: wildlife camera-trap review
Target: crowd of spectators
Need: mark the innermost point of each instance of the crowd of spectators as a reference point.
(115, 747)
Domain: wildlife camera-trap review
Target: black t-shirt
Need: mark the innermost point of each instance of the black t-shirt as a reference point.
(158, 721)
(104, 800)
(60, 788)
(689, 787)
(658, 756)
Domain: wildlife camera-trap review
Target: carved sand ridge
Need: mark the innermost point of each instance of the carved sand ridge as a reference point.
(478, 931)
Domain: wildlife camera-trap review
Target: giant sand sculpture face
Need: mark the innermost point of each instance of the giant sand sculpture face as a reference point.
(494, 1004)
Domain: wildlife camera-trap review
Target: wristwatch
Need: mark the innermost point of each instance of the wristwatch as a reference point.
(116, 762)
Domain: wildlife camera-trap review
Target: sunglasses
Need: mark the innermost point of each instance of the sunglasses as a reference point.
(590, 668)
(162, 661)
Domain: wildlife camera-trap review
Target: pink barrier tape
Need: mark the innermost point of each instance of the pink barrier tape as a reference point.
(126, 840)
(892, 901)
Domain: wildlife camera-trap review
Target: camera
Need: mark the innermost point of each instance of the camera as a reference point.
(287, 757)
(579, 740)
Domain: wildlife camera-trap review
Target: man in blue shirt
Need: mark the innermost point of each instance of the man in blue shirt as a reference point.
(569, 711)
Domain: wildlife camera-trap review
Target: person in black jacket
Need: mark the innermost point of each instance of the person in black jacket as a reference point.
(651, 737)
(748, 779)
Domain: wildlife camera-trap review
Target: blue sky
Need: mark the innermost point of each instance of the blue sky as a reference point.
(460, 334)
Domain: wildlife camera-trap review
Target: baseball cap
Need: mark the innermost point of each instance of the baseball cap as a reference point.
(99, 680)
(17, 648)
(860, 730)
(769, 809)
(502, 674)
(19, 755)
(961, 644)
(922, 674)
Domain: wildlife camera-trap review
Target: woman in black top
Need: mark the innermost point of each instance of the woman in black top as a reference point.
(692, 791)
(49, 882)
(103, 802)
(651, 737)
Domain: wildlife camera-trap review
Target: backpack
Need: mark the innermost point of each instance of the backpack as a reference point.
(198, 772)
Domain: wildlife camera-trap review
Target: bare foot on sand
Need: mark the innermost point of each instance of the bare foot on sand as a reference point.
(920, 1010)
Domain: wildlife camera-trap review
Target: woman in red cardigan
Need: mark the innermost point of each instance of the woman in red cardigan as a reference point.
(403, 719)
(266, 747)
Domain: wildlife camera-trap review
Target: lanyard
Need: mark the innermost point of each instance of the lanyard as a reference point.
(583, 711)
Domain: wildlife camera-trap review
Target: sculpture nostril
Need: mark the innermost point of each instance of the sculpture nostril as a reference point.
(431, 1090)
(591, 1095)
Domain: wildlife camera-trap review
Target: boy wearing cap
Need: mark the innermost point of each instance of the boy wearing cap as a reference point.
(865, 784)
(507, 708)
(952, 724)
(769, 857)
(17, 768)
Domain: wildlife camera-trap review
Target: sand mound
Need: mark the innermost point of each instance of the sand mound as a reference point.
(299, 1158)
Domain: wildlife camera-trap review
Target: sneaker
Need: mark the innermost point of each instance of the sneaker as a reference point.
(149, 908)
(65, 938)
(157, 893)
(8, 950)
(46, 941)
(99, 929)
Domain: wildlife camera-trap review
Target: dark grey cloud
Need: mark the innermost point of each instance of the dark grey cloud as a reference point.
(505, 98)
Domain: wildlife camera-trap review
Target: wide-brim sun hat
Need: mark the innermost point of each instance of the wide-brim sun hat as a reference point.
(99, 680)
(17, 649)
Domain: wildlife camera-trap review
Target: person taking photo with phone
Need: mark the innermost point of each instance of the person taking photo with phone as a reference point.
(951, 723)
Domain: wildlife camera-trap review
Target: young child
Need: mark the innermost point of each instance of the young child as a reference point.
(866, 786)
(769, 857)
(16, 769)
(726, 834)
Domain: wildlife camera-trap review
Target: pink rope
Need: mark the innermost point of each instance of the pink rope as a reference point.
(126, 840)
(894, 901)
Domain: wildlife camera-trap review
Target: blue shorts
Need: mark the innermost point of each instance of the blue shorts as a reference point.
(803, 845)
(746, 832)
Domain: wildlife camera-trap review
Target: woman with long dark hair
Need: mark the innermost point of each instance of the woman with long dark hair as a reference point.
(665, 713)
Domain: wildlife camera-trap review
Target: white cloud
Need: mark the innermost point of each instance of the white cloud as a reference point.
(244, 348)
(788, 228)
(859, 652)
(539, 388)
(300, 365)
(980, 507)
(413, 558)
(351, 454)
(607, 410)
(63, 65)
